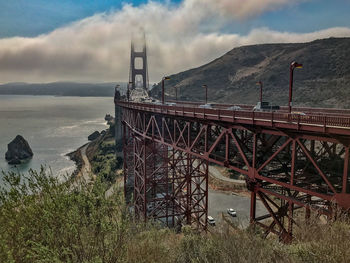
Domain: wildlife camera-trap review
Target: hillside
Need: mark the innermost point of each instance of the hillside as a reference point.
(60, 89)
(45, 220)
(324, 80)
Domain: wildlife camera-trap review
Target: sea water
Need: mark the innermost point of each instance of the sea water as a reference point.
(53, 127)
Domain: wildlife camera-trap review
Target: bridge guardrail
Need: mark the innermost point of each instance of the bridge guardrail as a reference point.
(297, 119)
(318, 111)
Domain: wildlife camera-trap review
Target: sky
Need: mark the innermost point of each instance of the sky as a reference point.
(89, 40)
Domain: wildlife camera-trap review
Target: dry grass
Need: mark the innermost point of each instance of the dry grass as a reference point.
(45, 221)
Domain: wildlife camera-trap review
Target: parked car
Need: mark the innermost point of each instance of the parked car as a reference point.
(206, 106)
(265, 106)
(170, 103)
(211, 221)
(231, 212)
(234, 108)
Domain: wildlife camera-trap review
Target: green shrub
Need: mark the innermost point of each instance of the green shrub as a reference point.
(42, 220)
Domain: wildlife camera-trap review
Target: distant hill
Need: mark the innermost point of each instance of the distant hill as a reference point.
(60, 89)
(324, 80)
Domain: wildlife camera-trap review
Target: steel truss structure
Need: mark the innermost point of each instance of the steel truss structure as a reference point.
(169, 185)
(285, 167)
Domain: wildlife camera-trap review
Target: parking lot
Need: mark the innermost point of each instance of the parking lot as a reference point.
(219, 202)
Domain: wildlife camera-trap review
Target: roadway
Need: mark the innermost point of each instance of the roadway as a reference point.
(325, 121)
(217, 174)
(219, 202)
(85, 174)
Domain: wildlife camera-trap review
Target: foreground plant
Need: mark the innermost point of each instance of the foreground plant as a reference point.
(44, 220)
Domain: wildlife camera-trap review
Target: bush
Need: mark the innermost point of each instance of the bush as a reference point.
(42, 220)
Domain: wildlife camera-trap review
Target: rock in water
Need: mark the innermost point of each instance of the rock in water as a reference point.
(18, 150)
(93, 136)
(109, 118)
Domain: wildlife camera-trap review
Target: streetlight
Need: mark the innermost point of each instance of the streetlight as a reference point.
(206, 93)
(175, 93)
(293, 65)
(128, 91)
(261, 88)
(116, 92)
(164, 78)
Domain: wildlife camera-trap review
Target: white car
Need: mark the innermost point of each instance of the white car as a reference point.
(206, 106)
(211, 221)
(231, 212)
(234, 108)
(298, 113)
(170, 103)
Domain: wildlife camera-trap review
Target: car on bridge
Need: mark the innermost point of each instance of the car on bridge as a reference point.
(206, 106)
(234, 108)
(265, 106)
(298, 113)
(231, 212)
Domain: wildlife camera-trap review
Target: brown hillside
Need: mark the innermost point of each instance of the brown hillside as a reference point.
(324, 80)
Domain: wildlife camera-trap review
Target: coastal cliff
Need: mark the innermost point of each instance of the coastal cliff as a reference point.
(100, 152)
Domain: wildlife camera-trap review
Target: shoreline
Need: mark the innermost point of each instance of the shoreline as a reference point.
(77, 158)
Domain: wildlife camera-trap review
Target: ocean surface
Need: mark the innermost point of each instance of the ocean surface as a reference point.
(53, 127)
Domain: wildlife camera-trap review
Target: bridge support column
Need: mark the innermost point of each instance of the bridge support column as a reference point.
(152, 185)
(128, 163)
(169, 186)
(190, 188)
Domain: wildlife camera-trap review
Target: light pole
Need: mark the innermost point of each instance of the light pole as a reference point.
(128, 91)
(116, 93)
(175, 93)
(163, 95)
(293, 65)
(206, 93)
(261, 88)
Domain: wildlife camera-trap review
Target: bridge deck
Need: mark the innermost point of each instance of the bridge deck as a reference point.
(327, 121)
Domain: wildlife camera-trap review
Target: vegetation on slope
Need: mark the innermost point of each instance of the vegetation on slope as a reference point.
(104, 162)
(43, 220)
(102, 155)
(324, 80)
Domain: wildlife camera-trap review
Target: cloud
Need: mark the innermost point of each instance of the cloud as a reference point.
(98, 48)
(237, 8)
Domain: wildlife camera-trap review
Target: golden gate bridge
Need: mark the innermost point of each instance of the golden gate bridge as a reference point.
(291, 160)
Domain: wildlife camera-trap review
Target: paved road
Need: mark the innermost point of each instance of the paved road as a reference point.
(220, 201)
(217, 174)
(85, 174)
(86, 169)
